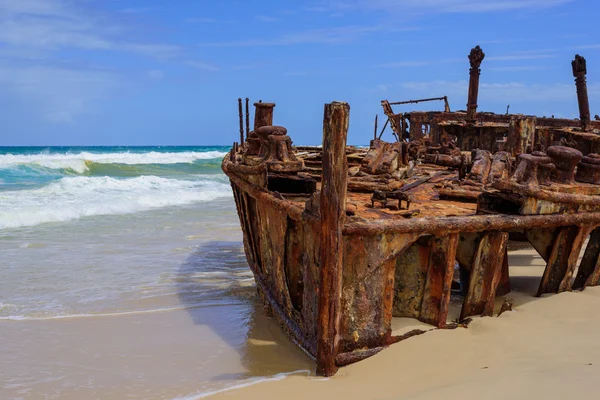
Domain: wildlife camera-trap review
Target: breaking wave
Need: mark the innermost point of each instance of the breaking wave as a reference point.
(72, 198)
(83, 162)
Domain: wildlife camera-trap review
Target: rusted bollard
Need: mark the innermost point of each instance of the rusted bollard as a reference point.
(333, 206)
(263, 115)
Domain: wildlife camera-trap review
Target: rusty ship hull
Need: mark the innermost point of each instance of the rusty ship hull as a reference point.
(341, 240)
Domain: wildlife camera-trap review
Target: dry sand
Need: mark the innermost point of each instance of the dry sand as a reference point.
(547, 348)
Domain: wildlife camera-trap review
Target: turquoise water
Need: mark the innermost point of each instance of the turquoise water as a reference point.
(122, 275)
(52, 184)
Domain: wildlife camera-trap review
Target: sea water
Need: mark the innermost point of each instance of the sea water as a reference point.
(122, 275)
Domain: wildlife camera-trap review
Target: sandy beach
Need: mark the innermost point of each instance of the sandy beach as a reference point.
(545, 349)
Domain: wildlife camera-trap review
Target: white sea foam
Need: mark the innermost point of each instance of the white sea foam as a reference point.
(76, 197)
(243, 384)
(112, 314)
(79, 162)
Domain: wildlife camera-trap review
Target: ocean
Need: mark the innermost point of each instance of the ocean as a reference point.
(122, 275)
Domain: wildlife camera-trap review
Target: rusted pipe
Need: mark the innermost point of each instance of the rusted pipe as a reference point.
(375, 130)
(476, 223)
(247, 120)
(419, 101)
(475, 58)
(384, 126)
(579, 72)
(241, 120)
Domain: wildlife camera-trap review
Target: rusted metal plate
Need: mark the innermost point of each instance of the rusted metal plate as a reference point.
(486, 272)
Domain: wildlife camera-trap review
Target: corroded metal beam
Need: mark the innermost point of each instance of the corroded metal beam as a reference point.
(333, 210)
(475, 223)
(486, 272)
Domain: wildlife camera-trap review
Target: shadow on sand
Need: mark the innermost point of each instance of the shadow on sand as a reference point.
(216, 286)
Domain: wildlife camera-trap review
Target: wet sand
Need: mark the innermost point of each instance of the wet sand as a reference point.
(546, 348)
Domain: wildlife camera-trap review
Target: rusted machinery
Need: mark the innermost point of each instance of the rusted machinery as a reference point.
(336, 257)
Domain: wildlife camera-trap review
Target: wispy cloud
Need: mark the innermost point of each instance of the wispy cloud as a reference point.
(156, 74)
(202, 66)
(201, 20)
(513, 68)
(435, 6)
(59, 94)
(138, 10)
(266, 18)
(523, 56)
(296, 73)
(56, 24)
(404, 64)
(34, 35)
(333, 35)
(501, 92)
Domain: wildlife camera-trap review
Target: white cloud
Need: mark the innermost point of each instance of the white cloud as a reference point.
(501, 92)
(436, 6)
(202, 66)
(403, 64)
(156, 74)
(58, 94)
(266, 18)
(36, 70)
(56, 24)
(333, 35)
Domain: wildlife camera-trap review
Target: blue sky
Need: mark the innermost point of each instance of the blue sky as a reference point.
(143, 72)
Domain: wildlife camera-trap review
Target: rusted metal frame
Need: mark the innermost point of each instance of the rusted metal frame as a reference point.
(445, 98)
(504, 284)
(358, 355)
(486, 272)
(290, 326)
(566, 284)
(476, 223)
(383, 129)
(242, 209)
(294, 212)
(589, 269)
(438, 284)
(333, 206)
(563, 259)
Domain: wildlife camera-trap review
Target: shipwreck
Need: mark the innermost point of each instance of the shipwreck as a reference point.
(342, 239)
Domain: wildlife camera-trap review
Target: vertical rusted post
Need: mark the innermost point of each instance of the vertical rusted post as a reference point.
(333, 204)
(247, 120)
(475, 58)
(263, 115)
(579, 71)
(375, 130)
(232, 153)
(446, 104)
(241, 120)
